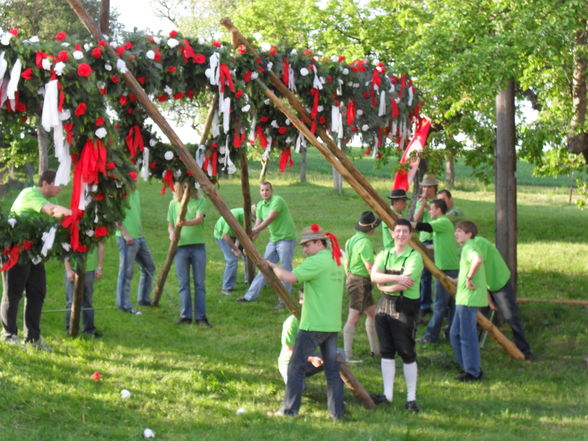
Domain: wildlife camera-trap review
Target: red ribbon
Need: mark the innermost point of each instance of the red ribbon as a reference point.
(335, 248)
(350, 113)
(286, 160)
(188, 52)
(61, 97)
(259, 134)
(225, 77)
(394, 106)
(286, 72)
(92, 161)
(316, 95)
(168, 181)
(13, 256)
(134, 140)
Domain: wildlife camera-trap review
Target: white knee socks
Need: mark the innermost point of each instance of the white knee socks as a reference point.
(388, 371)
(410, 375)
(348, 333)
(370, 328)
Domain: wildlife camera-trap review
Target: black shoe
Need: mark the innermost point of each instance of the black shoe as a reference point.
(93, 334)
(203, 322)
(242, 300)
(530, 357)
(468, 378)
(147, 303)
(412, 406)
(379, 399)
(184, 321)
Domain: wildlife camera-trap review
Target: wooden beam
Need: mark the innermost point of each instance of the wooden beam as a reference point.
(206, 186)
(249, 267)
(78, 292)
(570, 302)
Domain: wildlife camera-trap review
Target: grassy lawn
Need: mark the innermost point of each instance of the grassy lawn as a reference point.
(187, 382)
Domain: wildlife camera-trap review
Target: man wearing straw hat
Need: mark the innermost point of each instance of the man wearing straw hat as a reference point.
(323, 278)
(398, 200)
(359, 251)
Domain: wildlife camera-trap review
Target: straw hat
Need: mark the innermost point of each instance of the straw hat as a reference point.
(398, 193)
(429, 180)
(314, 232)
(367, 222)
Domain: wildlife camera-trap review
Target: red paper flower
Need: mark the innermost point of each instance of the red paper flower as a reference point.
(307, 52)
(130, 111)
(273, 50)
(366, 95)
(341, 59)
(216, 43)
(27, 244)
(178, 95)
(157, 56)
(110, 165)
(13, 31)
(189, 94)
(84, 70)
(141, 80)
(100, 231)
(171, 69)
(239, 94)
(120, 50)
(99, 196)
(282, 130)
(27, 74)
(128, 45)
(247, 76)
(123, 100)
(81, 109)
(96, 376)
(96, 52)
(264, 119)
(329, 79)
(99, 121)
(173, 34)
(241, 49)
(152, 164)
(199, 59)
(162, 98)
(63, 56)
(114, 78)
(102, 43)
(102, 91)
(60, 36)
(133, 175)
(315, 228)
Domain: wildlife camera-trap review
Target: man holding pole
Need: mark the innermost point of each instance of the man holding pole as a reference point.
(323, 278)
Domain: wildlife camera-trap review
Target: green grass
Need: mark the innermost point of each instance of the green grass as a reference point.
(187, 382)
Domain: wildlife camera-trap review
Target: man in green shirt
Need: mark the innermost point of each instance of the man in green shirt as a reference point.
(397, 272)
(226, 240)
(273, 214)
(359, 251)
(454, 213)
(320, 321)
(446, 259)
(133, 248)
(26, 276)
(471, 294)
(398, 200)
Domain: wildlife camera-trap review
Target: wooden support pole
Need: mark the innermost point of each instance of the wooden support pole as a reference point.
(357, 181)
(173, 246)
(570, 302)
(246, 190)
(206, 186)
(76, 304)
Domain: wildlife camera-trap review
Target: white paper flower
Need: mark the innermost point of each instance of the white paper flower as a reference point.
(359, 112)
(172, 42)
(254, 75)
(59, 66)
(157, 40)
(90, 233)
(380, 69)
(293, 52)
(365, 128)
(65, 115)
(108, 67)
(288, 122)
(245, 108)
(320, 108)
(265, 46)
(150, 54)
(168, 90)
(266, 101)
(87, 46)
(6, 37)
(257, 36)
(34, 39)
(46, 63)
(345, 71)
(274, 124)
(169, 155)
(121, 66)
(148, 433)
(12, 222)
(304, 71)
(152, 142)
(270, 65)
(101, 133)
(78, 55)
(65, 246)
(63, 43)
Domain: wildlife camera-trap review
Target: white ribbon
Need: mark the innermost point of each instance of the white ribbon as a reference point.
(3, 65)
(145, 164)
(316, 82)
(410, 95)
(382, 109)
(291, 79)
(50, 115)
(214, 62)
(266, 152)
(200, 155)
(252, 131)
(48, 239)
(215, 131)
(13, 83)
(226, 111)
(299, 142)
(84, 197)
(229, 166)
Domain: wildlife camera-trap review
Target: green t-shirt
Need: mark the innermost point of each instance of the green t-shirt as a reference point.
(387, 240)
(132, 221)
(409, 262)
(323, 292)
(192, 234)
(359, 250)
(91, 260)
(497, 272)
(424, 235)
(455, 215)
(468, 297)
(282, 227)
(221, 226)
(289, 333)
(444, 244)
(29, 200)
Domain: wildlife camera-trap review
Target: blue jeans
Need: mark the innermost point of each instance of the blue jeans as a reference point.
(464, 339)
(232, 261)
(443, 301)
(87, 304)
(306, 344)
(281, 251)
(426, 296)
(128, 254)
(192, 256)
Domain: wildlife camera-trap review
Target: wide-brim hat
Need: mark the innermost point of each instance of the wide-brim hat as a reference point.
(429, 180)
(398, 193)
(314, 232)
(367, 222)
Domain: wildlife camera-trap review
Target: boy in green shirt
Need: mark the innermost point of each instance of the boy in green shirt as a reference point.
(471, 295)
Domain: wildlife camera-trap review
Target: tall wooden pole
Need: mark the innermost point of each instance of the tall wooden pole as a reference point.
(506, 181)
(246, 190)
(357, 181)
(206, 186)
(76, 304)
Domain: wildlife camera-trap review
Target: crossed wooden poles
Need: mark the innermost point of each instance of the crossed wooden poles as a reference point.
(331, 153)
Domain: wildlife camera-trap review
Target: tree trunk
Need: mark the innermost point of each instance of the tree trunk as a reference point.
(303, 165)
(449, 171)
(43, 141)
(337, 178)
(578, 139)
(506, 184)
(105, 17)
